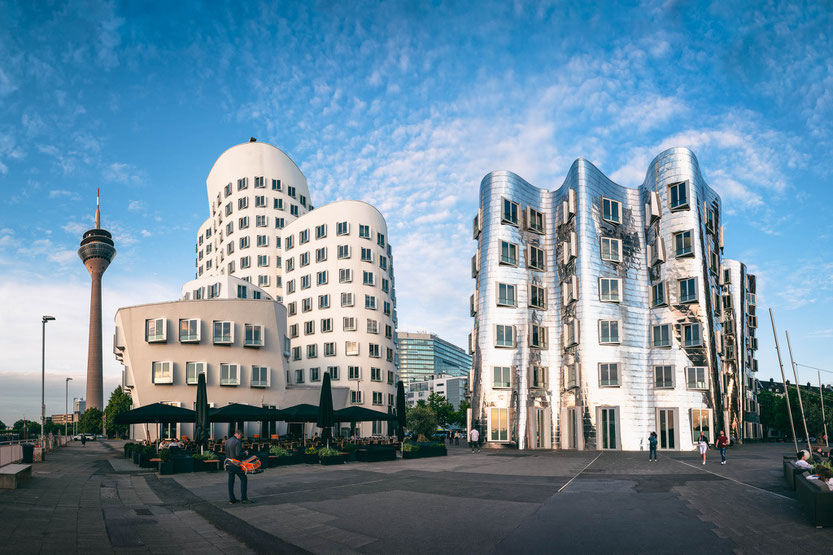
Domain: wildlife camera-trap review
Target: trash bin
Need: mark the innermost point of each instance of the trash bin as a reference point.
(28, 452)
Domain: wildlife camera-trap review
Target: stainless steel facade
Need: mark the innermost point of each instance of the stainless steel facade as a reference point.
(598, 310)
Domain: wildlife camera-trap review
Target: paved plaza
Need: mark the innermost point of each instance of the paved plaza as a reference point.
(88, 499)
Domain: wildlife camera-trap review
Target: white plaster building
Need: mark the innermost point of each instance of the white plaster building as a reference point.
(254, 191)
(341, 303)
(453, 388)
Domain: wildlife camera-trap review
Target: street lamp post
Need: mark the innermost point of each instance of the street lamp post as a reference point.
(44, 320)
(74, 420)
(66, 407)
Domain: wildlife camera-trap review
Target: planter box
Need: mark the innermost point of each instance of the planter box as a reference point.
(135, 457)
(166, 467)
(376, 454)
(183, 464)
(199, 465)
(286, 461)
(332, 460)
(816, 500)
(311, 459)
(144, 461)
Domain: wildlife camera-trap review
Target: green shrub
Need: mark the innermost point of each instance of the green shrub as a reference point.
(328, 452)
(310, 450)
(350, 447)
(408, 447)
(279, 451)
(165, 455)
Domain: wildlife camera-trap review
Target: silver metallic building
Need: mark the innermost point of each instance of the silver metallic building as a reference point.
(598, 310)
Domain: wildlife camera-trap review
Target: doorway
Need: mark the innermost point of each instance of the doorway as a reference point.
(607, 425)
(666, 428)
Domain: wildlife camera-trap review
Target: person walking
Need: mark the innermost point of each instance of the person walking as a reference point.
(234, 450)
(652, 447)
(474, 440)
(456, 437)
(722, 443)
(703, 445)
(83, 440)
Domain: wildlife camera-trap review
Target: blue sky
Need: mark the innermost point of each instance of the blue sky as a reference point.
(406, 106)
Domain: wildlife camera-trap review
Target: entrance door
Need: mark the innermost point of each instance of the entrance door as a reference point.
(665, 425)
(572, 437)
(539, 428)
(608, 428)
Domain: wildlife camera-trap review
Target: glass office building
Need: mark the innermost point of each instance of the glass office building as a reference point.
(424, 354)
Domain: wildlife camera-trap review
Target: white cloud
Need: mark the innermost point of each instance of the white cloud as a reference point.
(136, 206)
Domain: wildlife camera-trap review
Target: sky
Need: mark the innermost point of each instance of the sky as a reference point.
(405, 105)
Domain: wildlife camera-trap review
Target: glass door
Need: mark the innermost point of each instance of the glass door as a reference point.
(608, 428)
(572, 438)
(539, 428)
(667, 439)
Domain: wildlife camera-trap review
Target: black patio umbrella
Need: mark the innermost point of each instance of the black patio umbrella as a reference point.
(358, 414)
(156, 413)
(400, 411)
(202, 429)
(296, 413)
(325, 409)
(237, 412)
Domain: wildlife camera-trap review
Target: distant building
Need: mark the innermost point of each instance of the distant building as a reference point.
(61, 419)
(453, 388)
(79, 406)
(422, 355)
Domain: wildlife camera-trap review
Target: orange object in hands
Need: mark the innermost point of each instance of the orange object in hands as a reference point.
(249, 465)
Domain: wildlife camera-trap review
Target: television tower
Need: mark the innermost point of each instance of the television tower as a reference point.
(97, 251)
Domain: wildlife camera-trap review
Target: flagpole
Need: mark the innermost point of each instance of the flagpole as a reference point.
(784, 380)
(798, 391)
(821, 395)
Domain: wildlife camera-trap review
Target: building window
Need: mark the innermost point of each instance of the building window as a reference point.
(279, 224)
(502, 376)
(314, 374)
(306, 304)
(342, 228)
(609, 374)
(244, 242)
(305, 282)
(688, 290)
(254, 336)
(367, 255)
(377, 399)
(321, 278)
(293, 209)
(535, 221)
(658, 294)
(608, 332)
(370, 302)
(504, 336)
(373, 350)
(372, 326)
(227, 190)
(682, 244)
(539, 377)
(356, 397)
(571, 333)
(380, 239)
(245, 262)
(260, 376)
(383, 262)
(312, 351)
(510, 212)
(661, 335)
(390, 378)
(309, 327)
(570, 376)
(329, 349)
(368, 278)
(611, 210)
(303, 236)
(242, 203)
(385, 285)
(223, 332)
(333, 371)
(320, 231)
(156, 330)
(664, 377)
(293, 331)
(536, 259)
(303, 260)
(691, 335)
(386, 308)
(499, 424)
(193, 371)
(609, 290)
(345, 275)
(262, 260)
(321, 254)
(288, 243)
(243, 223)
(354, 372)
(506, 295)
(375, 374)
(364, 231)
(700, 422)
(260, 201)
(260, 183)
(537, 336)
(611, 249)
(276, 184)
(228, 374)
(189, 330)
(508, 253)
(351, 348)
(242, 183)
(296, 353)
(323, 301)
(299, 375)
(347, 299)
(537, 297)
(349, 323)
(290, 286)
(163, 372)
(678, 196)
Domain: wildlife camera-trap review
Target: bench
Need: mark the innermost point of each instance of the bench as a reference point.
(816, 500)
(12, 474)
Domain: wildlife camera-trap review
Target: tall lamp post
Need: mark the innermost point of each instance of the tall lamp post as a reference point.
(74, 420)
(66, 407)
(44, 320)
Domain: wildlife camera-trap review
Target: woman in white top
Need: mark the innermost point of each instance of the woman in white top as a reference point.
(703, 445)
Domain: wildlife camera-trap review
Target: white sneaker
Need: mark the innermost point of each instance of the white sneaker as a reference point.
(704, 462)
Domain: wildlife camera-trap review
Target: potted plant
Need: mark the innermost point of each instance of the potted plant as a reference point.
(182, 462)
(410, 450)
(350, 450)
(330, 456)
(311, 455)
(166, 465)
(280, 456)
(148, 452)
(128, 449)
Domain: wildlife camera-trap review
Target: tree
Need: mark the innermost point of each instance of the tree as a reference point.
(443, 410)
(31, 429)
(461, 416)
(2, 425)
(422, 421)
(91, 421)
(119, 403)
(774, 413)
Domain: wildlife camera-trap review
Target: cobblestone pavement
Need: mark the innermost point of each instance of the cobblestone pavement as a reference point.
(494, 501)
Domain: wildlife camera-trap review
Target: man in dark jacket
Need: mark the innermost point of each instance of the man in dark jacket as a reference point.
(722, 442)
(234, 450)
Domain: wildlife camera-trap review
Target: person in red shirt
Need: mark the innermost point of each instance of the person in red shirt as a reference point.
(722, 443)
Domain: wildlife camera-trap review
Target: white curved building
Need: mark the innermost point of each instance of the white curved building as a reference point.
(598, 311)
(254, 191)
(340, 299)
